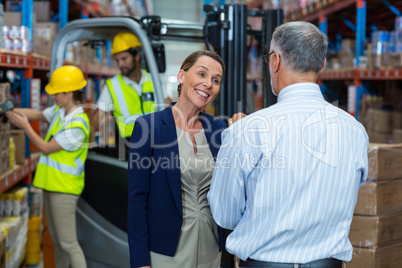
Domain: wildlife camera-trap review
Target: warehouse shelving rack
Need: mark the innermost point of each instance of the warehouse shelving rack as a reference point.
(19, 173)
(356, 74)
(29, 64)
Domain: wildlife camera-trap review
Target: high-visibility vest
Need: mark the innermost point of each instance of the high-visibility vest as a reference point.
(128, 105)
(63, 171)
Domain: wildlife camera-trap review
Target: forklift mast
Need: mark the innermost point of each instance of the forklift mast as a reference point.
(226, 30)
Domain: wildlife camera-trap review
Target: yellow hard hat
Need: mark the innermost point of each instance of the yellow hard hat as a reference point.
(66, 79)
(124, 41)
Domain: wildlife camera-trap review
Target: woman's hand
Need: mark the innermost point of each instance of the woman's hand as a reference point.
(19, 120)
(236, 117)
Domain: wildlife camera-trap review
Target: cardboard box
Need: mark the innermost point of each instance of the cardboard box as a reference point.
(348, 45)
(42, 10)
(379, 120)
(346, 59)
(381, 61)
(12, 18)
(4, 136)
(396, 59)
(4, 133)
(4, 92)
(379, 198)
(19, 140)
(380, 137)
(370, 134)
(44, 34)
(384, 257)
(397, 120)
(385, 161)
(372, 232)
(5, 160)
(397, 136)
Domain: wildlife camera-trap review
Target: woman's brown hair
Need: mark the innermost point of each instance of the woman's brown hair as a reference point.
(78, 96)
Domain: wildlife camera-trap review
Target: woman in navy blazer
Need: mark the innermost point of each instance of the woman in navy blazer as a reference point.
(155, 186)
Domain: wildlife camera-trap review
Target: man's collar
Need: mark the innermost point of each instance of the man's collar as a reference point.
(300, 90)
(143, 79)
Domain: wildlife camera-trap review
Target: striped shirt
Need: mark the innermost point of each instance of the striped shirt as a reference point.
(287, 177)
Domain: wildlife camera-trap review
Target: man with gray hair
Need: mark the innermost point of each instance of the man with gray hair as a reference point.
(286, 177)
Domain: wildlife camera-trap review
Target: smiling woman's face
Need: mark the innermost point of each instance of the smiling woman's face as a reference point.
(201, 83)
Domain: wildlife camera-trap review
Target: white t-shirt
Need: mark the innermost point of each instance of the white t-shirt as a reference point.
(105, 102)
(70, 139)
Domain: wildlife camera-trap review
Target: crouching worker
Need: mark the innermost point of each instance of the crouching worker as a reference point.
(60, 171)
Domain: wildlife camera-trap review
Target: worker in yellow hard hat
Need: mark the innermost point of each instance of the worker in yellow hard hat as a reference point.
(129, 94)
(60, 171)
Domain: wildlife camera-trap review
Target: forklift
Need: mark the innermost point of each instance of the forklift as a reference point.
(102, 207)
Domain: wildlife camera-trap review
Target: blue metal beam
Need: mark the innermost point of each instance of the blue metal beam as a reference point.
(27, 20)
(18, 8)
(360, 29)
(84, 13)
(360, 38)
(55, 18)
(109, 55)
(338, 41)
(63, 13)
(97, 87)
(332, 45)
(393, 9)
(323, 24)
(99, 51)
(14, 86)
(347, 22)
(27, 17)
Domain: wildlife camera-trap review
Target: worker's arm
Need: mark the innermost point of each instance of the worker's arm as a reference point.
(96, 118)
(21, 120)
(31, 114)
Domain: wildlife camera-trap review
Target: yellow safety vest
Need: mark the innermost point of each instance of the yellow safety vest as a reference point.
(63, 171)
(128, 105)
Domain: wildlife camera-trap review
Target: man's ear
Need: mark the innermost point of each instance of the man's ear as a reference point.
(323, 65)
(137, 57)
(276, 61)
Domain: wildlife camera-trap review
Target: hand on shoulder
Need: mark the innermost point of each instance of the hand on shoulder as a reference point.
(236, 117)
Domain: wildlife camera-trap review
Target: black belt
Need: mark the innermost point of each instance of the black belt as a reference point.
(324, 263)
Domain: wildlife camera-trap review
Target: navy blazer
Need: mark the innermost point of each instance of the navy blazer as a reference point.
(155, 213)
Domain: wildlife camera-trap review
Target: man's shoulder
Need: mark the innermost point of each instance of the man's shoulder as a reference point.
(352, 120)
(262, 114)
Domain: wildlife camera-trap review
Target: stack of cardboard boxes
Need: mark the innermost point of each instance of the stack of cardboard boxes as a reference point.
(19, 141)
(4, 131)
(14, 230)
(44, 31)
(383, 123)
(376, 229)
